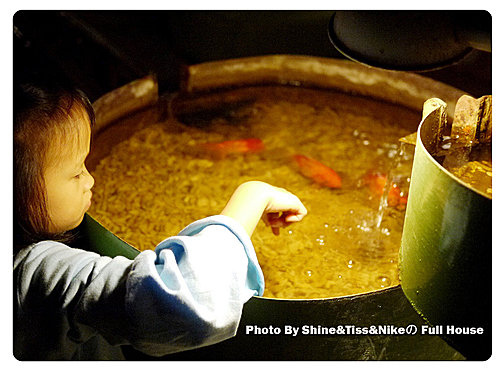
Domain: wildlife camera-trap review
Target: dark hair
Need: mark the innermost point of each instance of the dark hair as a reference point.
(40, 112)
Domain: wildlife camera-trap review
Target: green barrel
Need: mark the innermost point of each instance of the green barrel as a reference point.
(445, 255)
(94, 237)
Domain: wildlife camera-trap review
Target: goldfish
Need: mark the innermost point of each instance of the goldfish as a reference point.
(376, 183)
(238, 146)
(317, 171)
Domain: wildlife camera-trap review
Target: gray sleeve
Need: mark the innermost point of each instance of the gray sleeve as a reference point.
(188, 294)
(52, 283)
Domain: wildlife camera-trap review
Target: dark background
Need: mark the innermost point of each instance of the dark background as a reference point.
(98, 51)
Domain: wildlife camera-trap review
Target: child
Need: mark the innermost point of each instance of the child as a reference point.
(74, 304)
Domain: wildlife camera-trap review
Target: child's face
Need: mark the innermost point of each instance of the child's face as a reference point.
(68, 183)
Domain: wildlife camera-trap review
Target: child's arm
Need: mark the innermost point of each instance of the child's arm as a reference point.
(253, 200)
(190, 293)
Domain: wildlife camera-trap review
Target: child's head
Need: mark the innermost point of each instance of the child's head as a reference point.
(52, 187)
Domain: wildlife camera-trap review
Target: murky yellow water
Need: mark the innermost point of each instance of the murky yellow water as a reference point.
(155, 183)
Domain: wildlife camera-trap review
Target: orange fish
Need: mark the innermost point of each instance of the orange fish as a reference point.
(376, 183)
(318, 172)
(238, 146)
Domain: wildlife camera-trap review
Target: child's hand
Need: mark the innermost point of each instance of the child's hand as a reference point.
(283, 209)
(253, 200)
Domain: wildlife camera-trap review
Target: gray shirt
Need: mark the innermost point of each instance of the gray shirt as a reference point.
(189, 292)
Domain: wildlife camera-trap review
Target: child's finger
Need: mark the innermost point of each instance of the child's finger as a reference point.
(284, 219)
(286, 202)
(276, 219)
(270, 217)
(293, 218)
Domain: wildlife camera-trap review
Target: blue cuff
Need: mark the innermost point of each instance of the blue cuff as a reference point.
(255, 277)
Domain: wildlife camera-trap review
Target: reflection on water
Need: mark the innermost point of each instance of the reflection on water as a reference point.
(349, 241)
(470, 163)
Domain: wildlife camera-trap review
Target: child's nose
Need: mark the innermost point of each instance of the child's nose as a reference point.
(89, 183)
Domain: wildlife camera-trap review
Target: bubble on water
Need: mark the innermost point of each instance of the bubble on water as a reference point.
(385, 231)
(309, 273)
(366, 142)
(351, 212)
(326, 225)
(355, 132)
(320, 240)
(350, 263)
(290, 232)
(392, 153)
(390, 145)
(383, 281)
(340, 276)
(364, 227)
